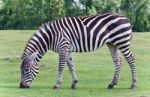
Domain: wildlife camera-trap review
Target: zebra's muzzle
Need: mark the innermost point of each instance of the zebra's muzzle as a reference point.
(23, 85)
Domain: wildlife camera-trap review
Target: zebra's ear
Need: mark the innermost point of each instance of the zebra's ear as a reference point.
(22, 57)
(32, 56)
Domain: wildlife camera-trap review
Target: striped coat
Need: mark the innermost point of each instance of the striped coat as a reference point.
(81, 34)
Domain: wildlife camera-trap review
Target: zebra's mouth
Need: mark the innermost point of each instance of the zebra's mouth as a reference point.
(24, 85)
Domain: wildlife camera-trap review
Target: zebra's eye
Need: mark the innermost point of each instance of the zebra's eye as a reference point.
(26, 70)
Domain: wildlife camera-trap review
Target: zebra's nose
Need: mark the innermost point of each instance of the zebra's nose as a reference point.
(23, 85)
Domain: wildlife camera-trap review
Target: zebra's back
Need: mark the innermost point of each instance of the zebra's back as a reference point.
(89, 33)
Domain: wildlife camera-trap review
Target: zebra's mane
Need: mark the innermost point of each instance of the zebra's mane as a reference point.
(24, 54)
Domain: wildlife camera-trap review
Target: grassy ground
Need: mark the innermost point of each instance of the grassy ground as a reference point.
(95, 70)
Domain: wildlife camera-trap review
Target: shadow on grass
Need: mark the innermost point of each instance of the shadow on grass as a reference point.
(67, 88)
(82, 88)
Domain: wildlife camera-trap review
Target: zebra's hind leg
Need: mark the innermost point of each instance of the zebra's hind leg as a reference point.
(117, 61)
(131, 61)
(62, 60)
(72, 70)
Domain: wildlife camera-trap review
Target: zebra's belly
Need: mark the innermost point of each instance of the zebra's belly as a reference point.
(75, 49)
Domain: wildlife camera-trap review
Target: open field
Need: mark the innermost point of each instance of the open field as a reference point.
(95, 70)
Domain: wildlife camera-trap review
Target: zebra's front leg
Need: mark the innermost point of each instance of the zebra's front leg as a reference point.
(72, 70)
(62, 60)
(117, 61)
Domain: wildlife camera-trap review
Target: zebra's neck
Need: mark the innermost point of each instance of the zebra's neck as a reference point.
(44, 39)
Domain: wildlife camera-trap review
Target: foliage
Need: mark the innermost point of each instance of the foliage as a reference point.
(138, 13)
(72, 8)
(30, 14)
(89, 7)
(107, 6)
(95, 70)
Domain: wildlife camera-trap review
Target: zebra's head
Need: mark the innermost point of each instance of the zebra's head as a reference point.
(29, 70)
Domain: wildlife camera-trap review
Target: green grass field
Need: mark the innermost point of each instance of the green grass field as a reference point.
(95, 70)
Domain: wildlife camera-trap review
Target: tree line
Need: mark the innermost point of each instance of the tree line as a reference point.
(30, 14)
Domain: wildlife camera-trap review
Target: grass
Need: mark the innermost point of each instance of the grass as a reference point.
(95, 70)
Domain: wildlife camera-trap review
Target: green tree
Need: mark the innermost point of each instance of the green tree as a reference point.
(72, 8)
(107, 6)
(89, 7)
(101, 6)
(138, 13)
(29, 14)
(57, 9)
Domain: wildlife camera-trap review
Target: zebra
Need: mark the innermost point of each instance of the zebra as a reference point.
(79, 34)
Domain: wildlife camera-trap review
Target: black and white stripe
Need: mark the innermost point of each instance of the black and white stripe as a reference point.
(84, 34)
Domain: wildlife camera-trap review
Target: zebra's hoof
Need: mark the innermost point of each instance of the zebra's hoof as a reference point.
(110, 86)
(133, 86)
(73, 87)
(55, 87)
